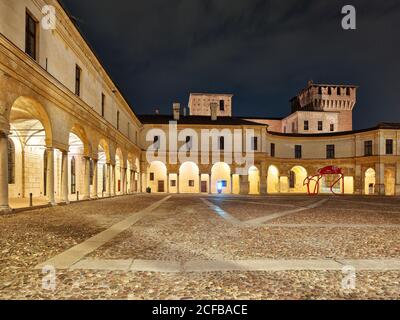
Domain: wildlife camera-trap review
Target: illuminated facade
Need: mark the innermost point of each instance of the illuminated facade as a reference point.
(67, 133)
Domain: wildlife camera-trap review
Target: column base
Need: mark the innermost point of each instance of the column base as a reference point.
(380, 189)
(397, 190)
(52, 203)
(5, 210)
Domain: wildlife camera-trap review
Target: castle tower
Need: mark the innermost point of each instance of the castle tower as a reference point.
(328, 98)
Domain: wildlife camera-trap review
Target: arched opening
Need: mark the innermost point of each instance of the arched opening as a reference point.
(157, 177)
(76, 167)
(296, 179)
(220, 178)
(189, 178)
(254, 180)
(369, 181)
(390, 181)
(30, 129)
(273, 180)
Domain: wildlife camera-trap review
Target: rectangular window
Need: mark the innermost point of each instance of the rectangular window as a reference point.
(117, 120)
(156, 142)
(103, 102)
(173, 183)
(306, 125)
(332, 127)
(191, 183)
(30, 36)
(389, 146)
(297, 151)
(78, 72)
(221, 143)
(221, 105)
(293, 127)
(188, 143)
(320, 126)
(330, 151)
(368, 148)
(272, 149)
(254, 144)
(151, 176)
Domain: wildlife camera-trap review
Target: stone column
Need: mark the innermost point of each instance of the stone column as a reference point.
(86, 179)
(177, 183)
(244, 184)
(231, 183)
(358, 181)
(397, 190)
(209, 184)
(113, 182)
(167, 182)
(4, 204)
(123, 180)
(64, 177)
(263, 179)
(95, 180)
(199, 182)
(108, 180)
(50, 176)
(380, 179)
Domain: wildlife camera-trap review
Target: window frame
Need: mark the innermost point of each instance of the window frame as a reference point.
(28, 18)
(330, 151)
(368, 148)
(298, 152)
(78, 80)
(389, 147)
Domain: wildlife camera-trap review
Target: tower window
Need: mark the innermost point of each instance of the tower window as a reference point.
(320, 125)
(332, 127)
(221, 105)
(306, 125)
(30, 36)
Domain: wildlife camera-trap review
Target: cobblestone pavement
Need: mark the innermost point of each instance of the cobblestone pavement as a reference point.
(184, 228)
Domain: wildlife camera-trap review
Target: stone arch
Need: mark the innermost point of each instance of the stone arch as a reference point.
(369, 181)
(221, 177)
(80, 132)
(273, 183)
(189, 178)
(296, 179)
(254, 180)
(157, 176)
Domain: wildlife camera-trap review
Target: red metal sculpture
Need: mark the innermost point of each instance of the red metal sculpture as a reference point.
(329, 170)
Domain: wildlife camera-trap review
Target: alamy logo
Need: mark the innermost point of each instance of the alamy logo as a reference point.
(204, 146)
(49, 17)
(349, 20)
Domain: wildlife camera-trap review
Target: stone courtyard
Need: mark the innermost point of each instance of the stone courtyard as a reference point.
(204, 247)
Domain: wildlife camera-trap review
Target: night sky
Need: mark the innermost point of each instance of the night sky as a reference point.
(264, 52)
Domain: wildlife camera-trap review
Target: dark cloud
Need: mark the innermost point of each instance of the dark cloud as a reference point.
(262, 51)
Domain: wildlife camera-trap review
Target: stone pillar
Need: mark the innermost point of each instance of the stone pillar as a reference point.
(177, 183)
(123, 180)
(108, 180)
(199, 182)
(263, 179)
(50, 176)
(209, 184)
(4, 204)
(167, 183)
(244, 184)
(380, 179)
(397, 188)
(113, 182)
(64, 177)
(358, 180)
(95, 180)
(231, 183)
(86, 178)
